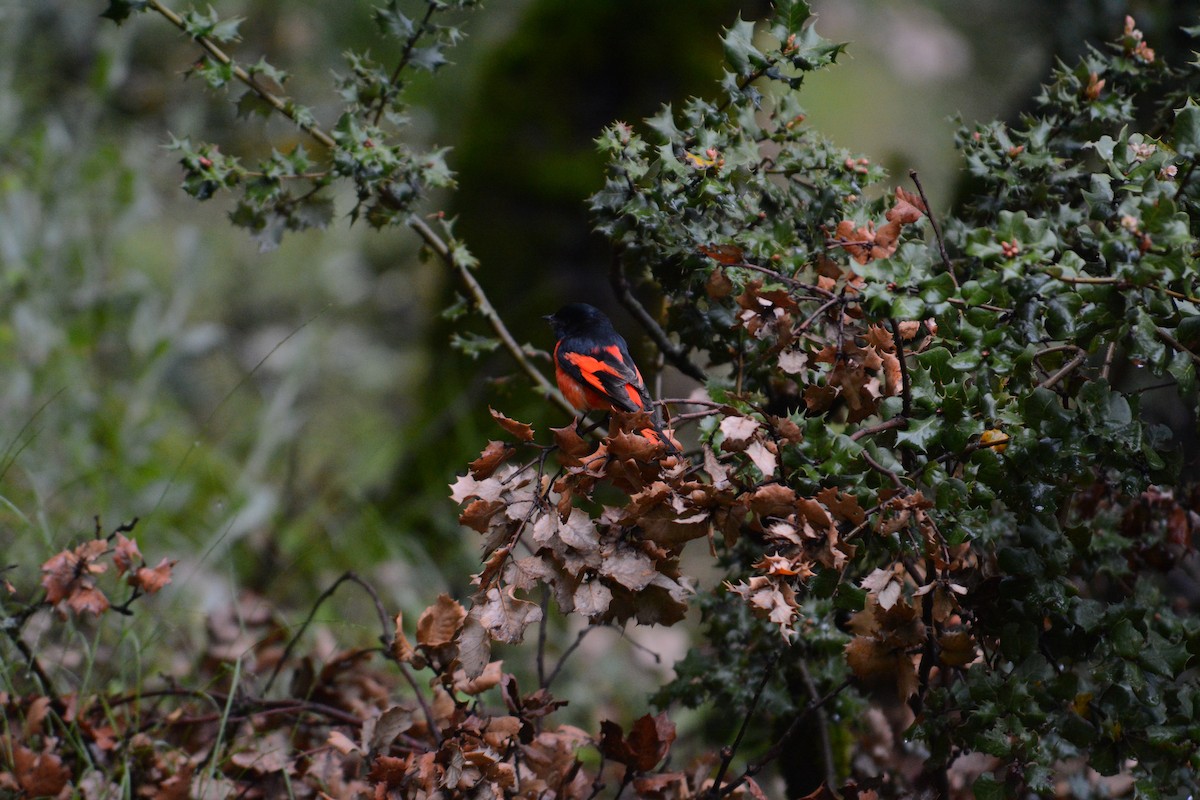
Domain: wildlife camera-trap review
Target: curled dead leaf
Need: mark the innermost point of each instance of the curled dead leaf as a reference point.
(521, 430)
(492, 456)
(440, 623)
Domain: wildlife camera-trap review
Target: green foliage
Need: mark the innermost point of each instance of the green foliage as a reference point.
(926, 462)
(290, 191)
(1070, 262)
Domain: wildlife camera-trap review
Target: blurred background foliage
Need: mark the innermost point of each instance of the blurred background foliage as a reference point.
(275, 418)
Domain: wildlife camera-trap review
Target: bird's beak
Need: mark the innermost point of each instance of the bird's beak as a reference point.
(548, 317)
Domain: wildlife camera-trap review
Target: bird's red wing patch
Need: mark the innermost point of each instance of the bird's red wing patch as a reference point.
(635, 396)
(607, 381)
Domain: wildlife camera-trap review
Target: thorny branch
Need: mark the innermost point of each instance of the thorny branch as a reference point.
(906, 387)
(1064, 371)
(273, 100)
(670, 351)
(414, 37)
(727, 753)
(937, 229)
(484, 306)
(777, 749)
(435, 242)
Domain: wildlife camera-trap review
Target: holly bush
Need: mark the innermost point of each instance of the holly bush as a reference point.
(945, 532)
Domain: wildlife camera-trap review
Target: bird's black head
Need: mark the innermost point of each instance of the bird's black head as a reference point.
(578, 319)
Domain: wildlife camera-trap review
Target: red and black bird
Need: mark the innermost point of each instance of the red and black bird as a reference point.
(595, 371)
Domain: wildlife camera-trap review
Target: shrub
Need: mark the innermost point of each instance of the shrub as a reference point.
(925, 458)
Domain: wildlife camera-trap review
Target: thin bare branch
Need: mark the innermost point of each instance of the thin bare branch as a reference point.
(485, 308)
(886, 425)
(777, 749)
(405, 55)
(1178, 345)
(1109, 355)
(567, 654)
(670, 351)
(905, 385)
(275, 101)
(875, 465)
(325, 595)
(827, 762)
(937, 229)
(727, 753)
(1064, 371)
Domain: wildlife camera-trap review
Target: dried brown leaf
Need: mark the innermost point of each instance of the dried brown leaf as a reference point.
(37, 774)
(766, 461)
(908, 208)
(725, 254)
(342, 743)
(592, 599)
(631, 568)
(738, 432)
(35, 715)
(152, 579)
(402, 649)
(718, 286)
(86, 598)
(474, 647)
(570, 443)
(957, 649)
(773, 500)
(650, 740)
(492, 456)
(125, 554)
(505, 617)
(440, 623)
(390, 771)
(521, 430)
(478, 515)
(390, 724)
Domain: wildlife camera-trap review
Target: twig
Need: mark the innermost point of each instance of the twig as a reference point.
(485, 308)
(1108, 360)
(31, 661)
(822, 726)
(672, 353)
(626, 779)
(906, 387)
(1059, 348)
(1154, 387)
(937, 229)
(958, 301)
(273, 100)
(1063, 372)
(886, 425)
(597, 784)
(821, 310)
(875, 465)
(779, 276)
(727, 753)
(1178, 345)
(917, 701)
(776, 749)
(1122, 283)
(636, 645)
(541, 645)
(430, 720)
(418, 30)
(347, 576)
(567, 654)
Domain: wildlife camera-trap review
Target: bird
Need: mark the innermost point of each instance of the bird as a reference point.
(595, 371)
